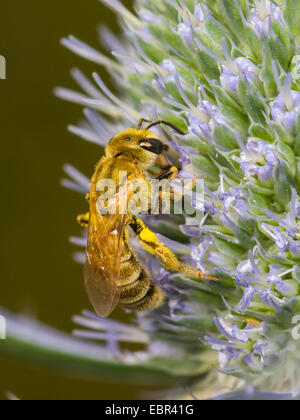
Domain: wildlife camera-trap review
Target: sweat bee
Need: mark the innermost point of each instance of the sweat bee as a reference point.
(113, 272)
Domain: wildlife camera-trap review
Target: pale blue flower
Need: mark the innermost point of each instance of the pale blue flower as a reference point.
(240, 67)
(260, 16)
(286, 113)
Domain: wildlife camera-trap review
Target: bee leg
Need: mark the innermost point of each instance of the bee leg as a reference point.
(83, 220)
(141, 122)
(150, 243)
(169, 174)
(165, 198)
(171, 196)
(163, 161)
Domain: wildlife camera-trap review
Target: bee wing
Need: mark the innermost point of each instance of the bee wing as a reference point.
(103, 259)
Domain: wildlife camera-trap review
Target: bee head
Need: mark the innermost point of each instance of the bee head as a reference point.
(139, 145)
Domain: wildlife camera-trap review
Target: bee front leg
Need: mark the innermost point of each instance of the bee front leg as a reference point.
(83, 220)
(169, 174)
(171, 195)
(168, 196)
(150, 243)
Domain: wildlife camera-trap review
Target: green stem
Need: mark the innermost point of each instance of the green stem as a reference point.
(32, 342)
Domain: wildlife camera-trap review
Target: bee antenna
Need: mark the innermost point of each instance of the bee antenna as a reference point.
(169, 124)
(141, 122)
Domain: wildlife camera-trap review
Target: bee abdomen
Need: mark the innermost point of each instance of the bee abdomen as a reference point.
(145, 301)
(136, 290)
(130, 271)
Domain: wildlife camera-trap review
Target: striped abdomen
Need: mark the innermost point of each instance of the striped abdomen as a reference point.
(138, 291)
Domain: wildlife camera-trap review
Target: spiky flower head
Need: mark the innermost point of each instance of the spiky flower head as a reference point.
(227, 73)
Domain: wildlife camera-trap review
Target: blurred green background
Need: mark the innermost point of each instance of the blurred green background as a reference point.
(38, 274)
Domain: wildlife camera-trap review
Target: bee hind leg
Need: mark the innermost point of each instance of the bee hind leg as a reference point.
(150, 242)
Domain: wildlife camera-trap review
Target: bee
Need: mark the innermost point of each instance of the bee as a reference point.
(113, 273)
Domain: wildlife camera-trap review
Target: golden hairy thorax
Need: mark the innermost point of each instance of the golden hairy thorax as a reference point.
(113, 273)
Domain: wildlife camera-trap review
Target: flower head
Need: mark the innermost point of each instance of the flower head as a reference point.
(221, 71)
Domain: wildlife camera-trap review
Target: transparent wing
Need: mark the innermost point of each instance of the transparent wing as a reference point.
(103, 256)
